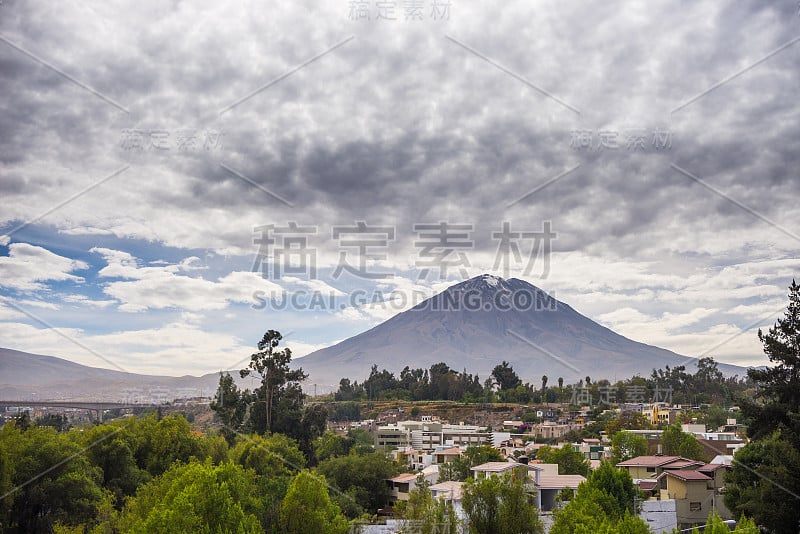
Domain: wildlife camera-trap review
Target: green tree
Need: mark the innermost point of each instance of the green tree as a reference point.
(627, 445)
(272, 367)
(307, 507)
(459, 468)
(570, 461)
(47, 479)
(714, 417)
(627, 420)
(708, 371)
(765, 482)
(500, 505)
(675, 441)
(506, 377)
(171, 440)
(269, 456)
(111, 448)
(330, 445)
(230, 406)
(425, 515)
(362, 480)
(195, 497)
(715, 525)
(778, 385)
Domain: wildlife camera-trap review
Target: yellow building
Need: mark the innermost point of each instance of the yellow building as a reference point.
(695, 496)
(659, 414)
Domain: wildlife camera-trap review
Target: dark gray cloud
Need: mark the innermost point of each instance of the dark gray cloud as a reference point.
(411, 122)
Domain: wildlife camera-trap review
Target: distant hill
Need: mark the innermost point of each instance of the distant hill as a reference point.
(476, 324)
(25, 376)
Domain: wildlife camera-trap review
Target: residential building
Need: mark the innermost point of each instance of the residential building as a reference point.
(403, 484)
(446, 455)
(694, 496)
(451, 492)
(498, 468)
(695, 487)
(425, 435)
(650, 467)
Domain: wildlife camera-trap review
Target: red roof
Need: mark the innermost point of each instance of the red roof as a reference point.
(647, 485)
(687, 474)
(649, 461)
(680, 464)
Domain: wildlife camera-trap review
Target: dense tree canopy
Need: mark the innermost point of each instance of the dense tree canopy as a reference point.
(45, 479)
(764, 481)
(570, 461)
(361, 481)
(424, 514)
(500, 504)
(307, 507)
(505, 376)
(459, 469)
(675, 441)
(627, 445)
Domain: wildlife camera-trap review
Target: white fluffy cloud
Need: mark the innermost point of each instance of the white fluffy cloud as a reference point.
(166, 286)
(29, 268)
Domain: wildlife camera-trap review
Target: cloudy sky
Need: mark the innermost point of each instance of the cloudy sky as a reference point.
(167, 168)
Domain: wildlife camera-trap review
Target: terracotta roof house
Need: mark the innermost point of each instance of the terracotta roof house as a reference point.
(643, 467)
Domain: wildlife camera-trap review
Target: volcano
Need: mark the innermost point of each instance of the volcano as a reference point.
(478, 323)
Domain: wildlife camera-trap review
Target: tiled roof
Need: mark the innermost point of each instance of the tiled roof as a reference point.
(650, 461)
(560, 481)
(687, 474)
(647, 485)
(499, 467)
(404, 477)
(451, 489)
(680, 464)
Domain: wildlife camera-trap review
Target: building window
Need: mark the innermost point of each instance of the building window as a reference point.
(651, 469)
(694, 506)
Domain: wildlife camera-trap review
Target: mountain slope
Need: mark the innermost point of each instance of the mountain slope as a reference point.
(25, 376)
(480, 322)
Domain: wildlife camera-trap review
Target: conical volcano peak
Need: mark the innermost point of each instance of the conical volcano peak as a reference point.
(482, 282)
(490, 293)
(489, 283)
(485, 320)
